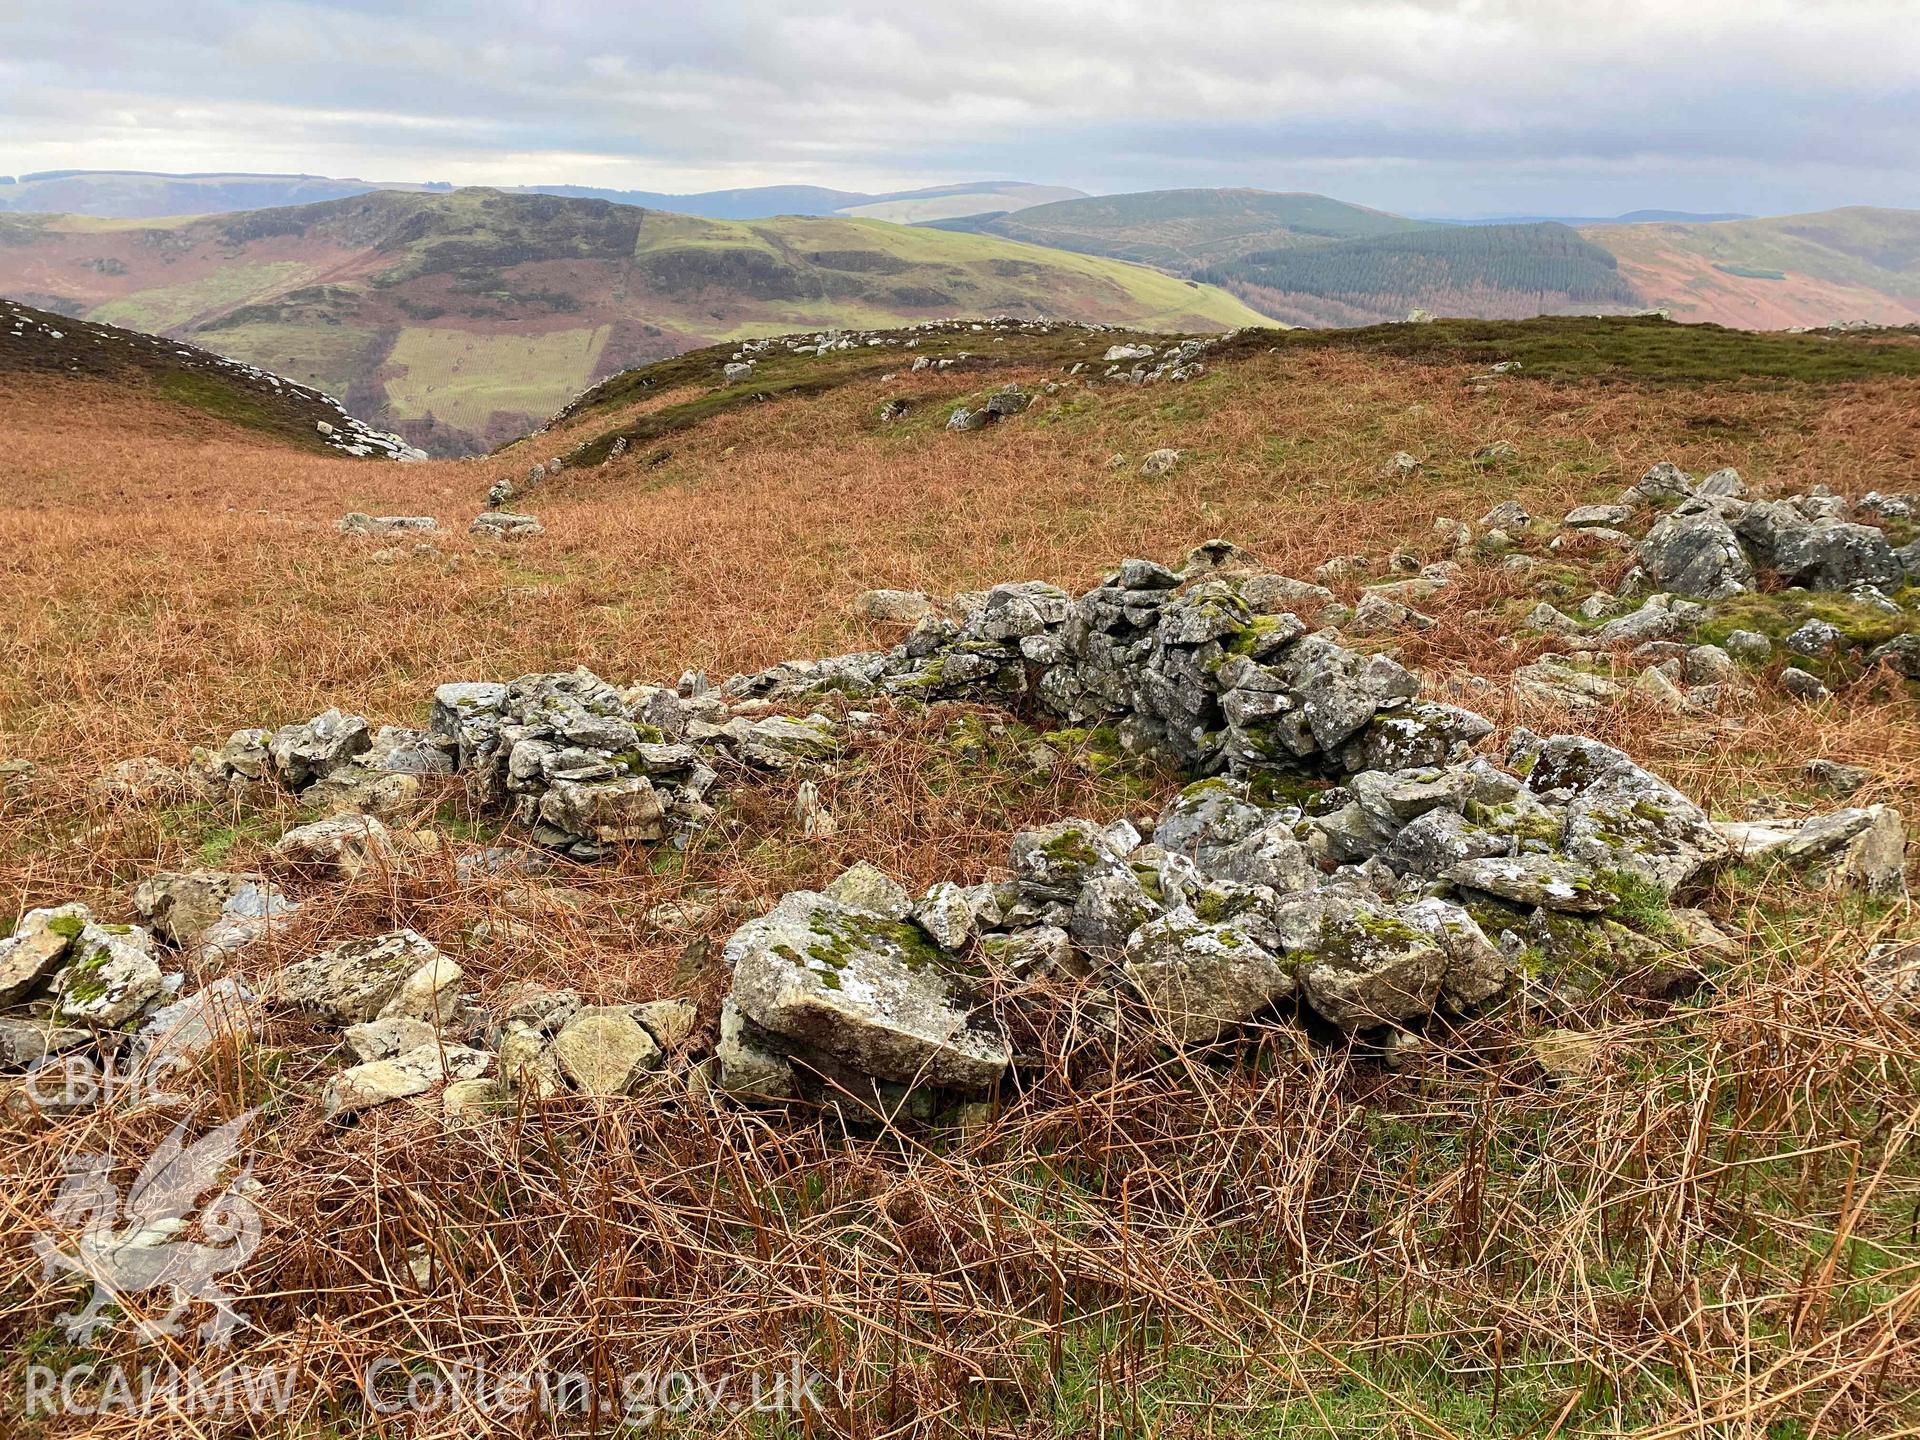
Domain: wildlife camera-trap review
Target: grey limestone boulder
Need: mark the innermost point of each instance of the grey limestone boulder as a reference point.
(1696, 555)
(1199, 977)
(875, 994)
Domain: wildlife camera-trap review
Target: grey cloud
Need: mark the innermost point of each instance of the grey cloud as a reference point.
(1503, 104)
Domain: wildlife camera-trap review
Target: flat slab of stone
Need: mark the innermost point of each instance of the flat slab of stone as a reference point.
(1552, 882)
(380, 1082)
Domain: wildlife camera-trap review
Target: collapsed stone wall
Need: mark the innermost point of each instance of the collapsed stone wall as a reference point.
(570, 760)
(1344, 849)
(1410, 875)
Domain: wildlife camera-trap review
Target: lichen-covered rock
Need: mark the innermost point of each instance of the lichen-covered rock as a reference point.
(604, 812)
(399, 974)
(1815, 638)
(749, 1070)
(1586, 517)
(1198, 978)
(1419, 733)
(1696, 555)
(1838, 557)
(1664, 484)
(866, 887)
(1358, 963)
(1394, 798)
(1476, 970)
(1660, 617)
(26, 1042)
(346, 845)
(109, 978)
(384, 1039)
(380, 1082)
(893, 607)
(1863, 847)
(37, 947)
(780, 742)
(238, 766)
(505, 525)
(184, 906)
(1623, 818)
(1556, 682)
(1110, 907)
(876, 994)
(1053, 862)
(313, 749)
(1035, 950)
(1379, 614)
(1553, 882)
(950, 914)
(670, 1022)
(363, 790)
(528, 1064)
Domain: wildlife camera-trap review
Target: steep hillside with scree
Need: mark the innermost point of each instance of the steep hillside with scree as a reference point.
(39, 342)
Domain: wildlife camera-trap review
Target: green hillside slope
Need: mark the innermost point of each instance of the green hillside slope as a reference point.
(1491, 271)
(460, 318)
(1183, 230)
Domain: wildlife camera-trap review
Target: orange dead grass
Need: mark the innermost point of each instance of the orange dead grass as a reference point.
(1251, 1231)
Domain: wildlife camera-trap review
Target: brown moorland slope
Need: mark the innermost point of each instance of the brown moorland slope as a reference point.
(1777, 272)
(1706, 1232)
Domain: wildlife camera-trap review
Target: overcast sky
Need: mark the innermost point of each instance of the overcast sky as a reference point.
(1452, 107)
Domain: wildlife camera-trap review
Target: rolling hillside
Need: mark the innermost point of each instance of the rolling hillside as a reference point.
(144, 195)
(1311, 260)
(460, 318)
(1307, 259)
(1786, 270)
(1501, 272)
(1184, 230)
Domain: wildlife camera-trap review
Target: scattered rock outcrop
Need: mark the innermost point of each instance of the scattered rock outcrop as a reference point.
(1714, 539)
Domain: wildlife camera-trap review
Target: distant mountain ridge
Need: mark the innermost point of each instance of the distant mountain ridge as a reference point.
(460, 318)
(1312, 260)
(152, 195)
(1182, 230)
(1632, 217)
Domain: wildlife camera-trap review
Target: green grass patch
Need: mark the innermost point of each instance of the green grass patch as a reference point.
(1630, 347)
(1777, 614)
(211, 394)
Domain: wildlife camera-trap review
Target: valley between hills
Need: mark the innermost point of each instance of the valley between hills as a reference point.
(462, 318)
